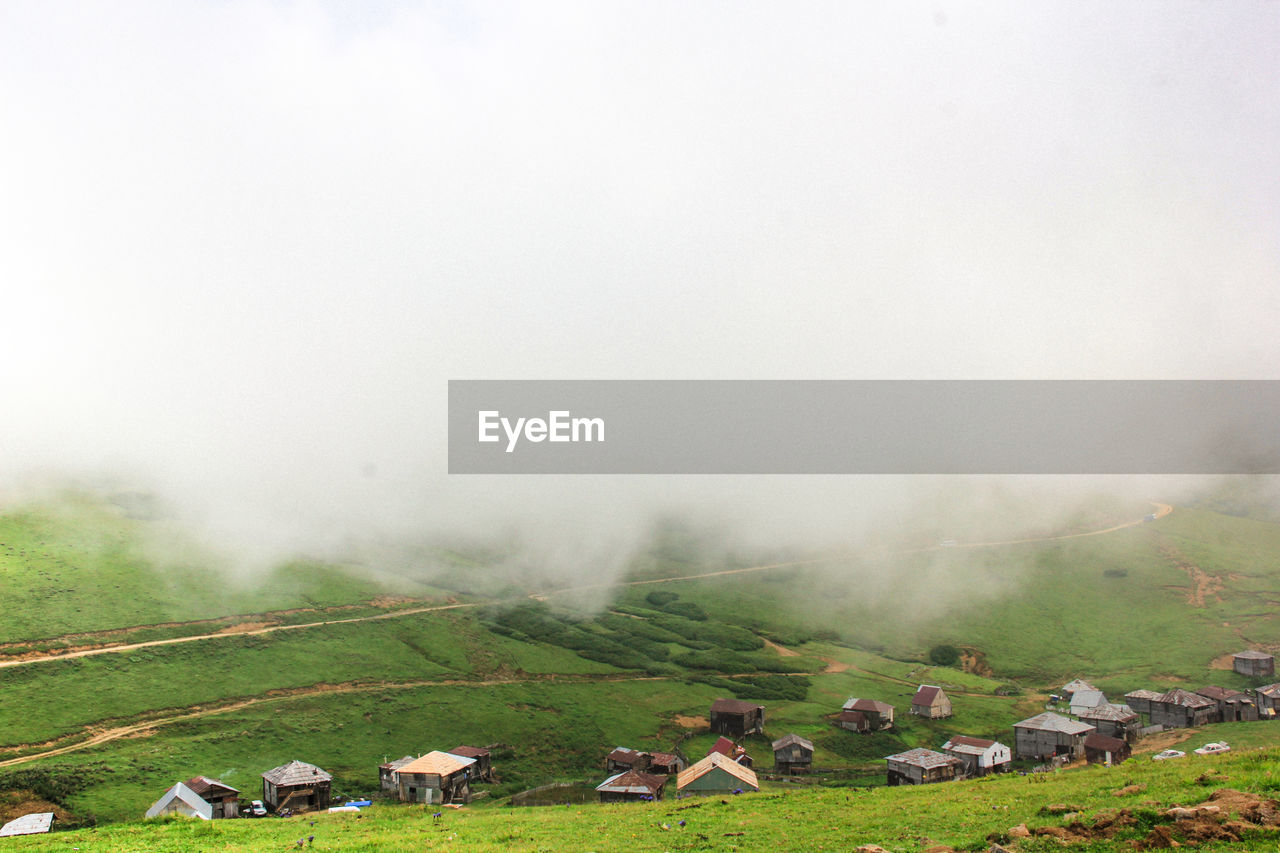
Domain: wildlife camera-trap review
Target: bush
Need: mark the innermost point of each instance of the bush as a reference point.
(688, 610)
(944, 655)
(661, 599)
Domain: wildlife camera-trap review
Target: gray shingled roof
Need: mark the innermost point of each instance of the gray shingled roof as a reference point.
(926, 758)
(787, 740)
(1253, 654)
(1178, 696)
(296, 773)
(1051, 722)
(1113, 713)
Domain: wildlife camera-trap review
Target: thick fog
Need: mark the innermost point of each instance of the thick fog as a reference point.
(245, 244)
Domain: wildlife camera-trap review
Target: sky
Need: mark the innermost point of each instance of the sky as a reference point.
(244, 245)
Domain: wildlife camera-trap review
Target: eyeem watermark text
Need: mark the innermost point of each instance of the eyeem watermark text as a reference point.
(558, 426)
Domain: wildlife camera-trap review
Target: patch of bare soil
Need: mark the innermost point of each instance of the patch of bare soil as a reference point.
(15, 804)
(782, 651)
(1222, 661)
(691, 722)
(974, 661)
(1203, 585)
(244, 627)
(834, 665)
(1164, 740)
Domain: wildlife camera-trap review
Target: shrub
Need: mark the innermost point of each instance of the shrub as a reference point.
(944, 655)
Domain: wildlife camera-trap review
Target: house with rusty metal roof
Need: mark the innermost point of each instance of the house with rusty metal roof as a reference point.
(731, 750)
(978, 756)
(1101, 749)
(921, 767)
(624, 758)
(298, 786)
(631, 786)
(1140, 700)
(665, 763)
(1114, 721)
(482, 770)
(931, 702)
(1182, 709)
(437, 777)
(716, 774)
(1233, 706)
(1047, 735)
(1254, 663)
(1268, 700)
(736, 718)
(878, 715)
(224, 799)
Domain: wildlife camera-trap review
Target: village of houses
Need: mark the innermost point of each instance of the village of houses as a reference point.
(1093, 729)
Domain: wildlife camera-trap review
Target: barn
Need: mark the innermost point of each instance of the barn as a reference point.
(1253, 663)
(931, 702)
(1232, 705)
(1047, 735)
(792, 754)
(736, 718)
(1268, 701)
(297, 785)
(716, 774)
(1101, 749)
(921, 767)
(1140, 700)
(624, 758)
(632, 786)
(437, 777)
(224, 800)
(878, 715)
(853, 721)
(978, 756)
(665, 763)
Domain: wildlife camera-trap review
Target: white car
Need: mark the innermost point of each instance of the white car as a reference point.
(1168, 753)
(1213, 748)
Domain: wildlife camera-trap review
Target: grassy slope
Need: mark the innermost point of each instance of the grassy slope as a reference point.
(961, 814)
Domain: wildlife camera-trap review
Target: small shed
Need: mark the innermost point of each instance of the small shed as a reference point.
(1074, 686)
(1233, 706)
(437, 777)
(854, 721)
(387, 773)
(1268, 700)
(297, 785)
(1140, 700)
(931, 702)
(482, 770)
(1119, 721)
(623, 759)
(792, 754)
(632, 786)
(224, 799)
(181, 800)
(716, 774)
(1182, 709)
(1047, 735)
(736, 718)
(879, 715)
(1253, 663)
(978, 756)
(35, 823)
(665, 763)
(921, 767)
(1101, 749)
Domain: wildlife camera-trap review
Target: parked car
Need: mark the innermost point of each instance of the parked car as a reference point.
(1168, 753)
(257, 809)
(1213, 748)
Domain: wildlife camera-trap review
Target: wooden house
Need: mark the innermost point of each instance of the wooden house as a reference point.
(878, 715)
(437, 777)
(732, 751)
(1253, 663)
(978, 756)
(222, 799)
(1232, 705)
(298, 786)
(1182, 709)
(1268, 701)
(853, 721)
(921, 767)
(1102, 749)
(716, 774)
(931, 702)
(736, 718)
(387, 773)
(623, 759)
(1047, 735)
(181, 800)
(665, 763)
(631, 786)
(792, 754)
(1119, 721)
(1140, 700)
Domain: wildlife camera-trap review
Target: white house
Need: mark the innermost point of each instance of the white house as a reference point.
(979, 756)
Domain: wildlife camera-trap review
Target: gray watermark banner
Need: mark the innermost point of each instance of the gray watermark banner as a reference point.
(864, 427)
